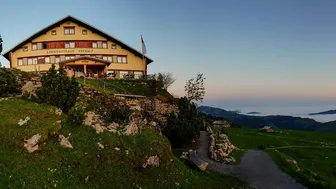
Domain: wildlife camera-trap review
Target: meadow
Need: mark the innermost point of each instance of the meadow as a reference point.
(87, 165)
(309, 157)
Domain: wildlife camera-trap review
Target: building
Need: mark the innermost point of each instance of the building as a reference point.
(267, 129)
(221, 123)
(81, 48)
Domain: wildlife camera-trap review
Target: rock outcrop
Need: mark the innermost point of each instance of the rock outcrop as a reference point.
(221, 148)
(24, 121)
(152, 161)
(31, 144)
(64, 141)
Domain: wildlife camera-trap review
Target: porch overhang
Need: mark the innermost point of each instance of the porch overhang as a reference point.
(84, 60)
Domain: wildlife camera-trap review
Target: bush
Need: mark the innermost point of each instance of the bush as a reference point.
(76, 116)
(8, 83)
(58, 90)
(117, 114)
(185, 126)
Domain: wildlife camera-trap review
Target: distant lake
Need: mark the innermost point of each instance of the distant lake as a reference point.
(297, 111)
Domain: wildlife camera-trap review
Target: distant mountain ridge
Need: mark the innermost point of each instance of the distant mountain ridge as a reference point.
(325, 112)
(277, 121)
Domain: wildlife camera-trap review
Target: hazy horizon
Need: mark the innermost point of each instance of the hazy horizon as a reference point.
(249, 51)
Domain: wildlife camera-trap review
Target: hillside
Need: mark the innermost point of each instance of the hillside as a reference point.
(327, 127)
(325, 112)
(309, 157)
(117, 165)
(250, 121)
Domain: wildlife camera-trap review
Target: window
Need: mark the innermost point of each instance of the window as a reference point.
(109, 58)
(69, 31)
(30, 61)
(72, 57)
(47, 60)
(114, 46)
(44, 45)
(34, 47)
(67, 57)
(94, 45)
(25, 49)
(39, 46)
(53, 32)
(57, 59)
(122, 59)
(35, 60)
(104, 57)
(20, 62)
(69, 45)
(72, 44)
(84, 32)
(104, 45)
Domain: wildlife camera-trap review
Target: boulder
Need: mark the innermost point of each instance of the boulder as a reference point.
(100, 145)
(64, 141)
(24, 121)
(58, 111)
(193, 158)
(152, 161)
(30, 89)
(31, 144)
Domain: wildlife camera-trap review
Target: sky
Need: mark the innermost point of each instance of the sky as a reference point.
(251, 52)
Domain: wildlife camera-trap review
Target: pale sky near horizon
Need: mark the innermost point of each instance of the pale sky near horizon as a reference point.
(259, 50)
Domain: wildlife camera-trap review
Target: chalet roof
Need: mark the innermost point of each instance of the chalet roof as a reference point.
(82, 23)
(85, 58)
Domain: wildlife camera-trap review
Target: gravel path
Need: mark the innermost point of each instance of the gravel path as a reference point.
(256, 167)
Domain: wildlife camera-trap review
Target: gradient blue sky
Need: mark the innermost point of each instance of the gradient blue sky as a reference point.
(249, 51)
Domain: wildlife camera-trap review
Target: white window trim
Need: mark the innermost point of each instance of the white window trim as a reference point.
(34, 47)
(20, 61)
(94, 45)
(30, 61)
(104, 45)
(47, 59)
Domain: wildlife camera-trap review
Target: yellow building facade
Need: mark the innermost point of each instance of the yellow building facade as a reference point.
(81, 48)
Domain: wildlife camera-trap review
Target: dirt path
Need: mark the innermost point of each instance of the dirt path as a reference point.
(256, 167)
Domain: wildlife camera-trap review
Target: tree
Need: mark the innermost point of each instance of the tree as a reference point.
(0, 44)
(195, 88)
(58, 90)
(167, 80)
(0, 48)
(185, 126)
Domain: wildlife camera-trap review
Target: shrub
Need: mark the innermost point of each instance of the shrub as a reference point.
(185, 126)
(119, 114)
(76, 116)
(58, 90)
(8, 83)
(261, 147)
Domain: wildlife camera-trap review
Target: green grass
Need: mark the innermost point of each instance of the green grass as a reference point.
(136, 87)
(317, 164)
(87, 166)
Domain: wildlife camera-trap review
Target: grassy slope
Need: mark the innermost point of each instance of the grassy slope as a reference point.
(311, 161)
(135, 87)
(87, 166)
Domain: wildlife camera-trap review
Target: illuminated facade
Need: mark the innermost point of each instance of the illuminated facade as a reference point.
(81, 48)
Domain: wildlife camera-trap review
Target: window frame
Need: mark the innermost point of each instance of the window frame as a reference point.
(30, 60)
(104, 45)
(57, 58)
(69, 29)
(72, 44)
(96, 44)
(45, 60)
(34, 45)
(67, 45)
(84, 32)
(25, 48)
(114, 46)
(20, 60)
(53, 32)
